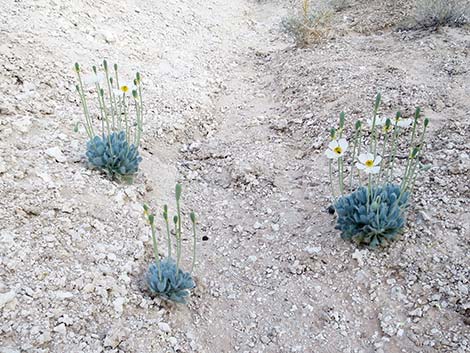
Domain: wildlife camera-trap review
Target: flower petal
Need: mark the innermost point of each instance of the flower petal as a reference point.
(405, 122)
(343, 143)
(363, 157)
(330, 154)
(377, 160)
(374, 170)
(333, 144)
(360, 166)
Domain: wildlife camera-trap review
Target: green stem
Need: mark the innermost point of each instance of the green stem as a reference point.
(141, 117)
(193, 220)
(356, 139)
(175, 221)
(102, 109)
(341, 181)
(383, 158)
(110, 99)
(165, 216)
(376, 110)
(330, 167)
(81, 92)
(369, 191)
(393, 151)
(155, 249)
(413, 134)
(126, 117)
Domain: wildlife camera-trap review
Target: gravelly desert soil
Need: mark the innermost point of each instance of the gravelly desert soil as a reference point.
(240, 116)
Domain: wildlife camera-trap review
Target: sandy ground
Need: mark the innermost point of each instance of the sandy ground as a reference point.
(239, 116)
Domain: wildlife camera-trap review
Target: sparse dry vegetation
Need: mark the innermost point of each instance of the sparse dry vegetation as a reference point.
(309, 26)
(436, 13)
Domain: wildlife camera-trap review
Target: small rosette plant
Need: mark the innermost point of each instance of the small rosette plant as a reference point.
(113, 146)
(372, 211)
(372, 221)
(165, 278)
(113, 154)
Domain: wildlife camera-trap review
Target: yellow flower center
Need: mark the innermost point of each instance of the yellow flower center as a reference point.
(124, 88)
(369, 163)
(338, 150)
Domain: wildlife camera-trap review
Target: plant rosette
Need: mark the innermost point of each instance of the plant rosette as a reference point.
(372, 217)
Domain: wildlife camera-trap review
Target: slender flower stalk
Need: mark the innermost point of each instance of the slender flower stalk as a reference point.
(393, 147)
(341, 173)
(413, 134)
(141, 105)
(378, 99)
(411, 176)
(330, 168)
(340, 159)
(167, 224)
(387, 128)
(177, 235)
(81, 92)
(178, 190)
(100, 104)
(357, 138)
(151, 221)
(111, 102)
(192, 215)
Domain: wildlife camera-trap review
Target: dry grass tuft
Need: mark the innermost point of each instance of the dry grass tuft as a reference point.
(309, 26)
(436, 13)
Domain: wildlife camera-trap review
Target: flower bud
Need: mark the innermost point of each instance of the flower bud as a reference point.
(77, 67)
(165, 212)
(175, 219)
(94, 68)
(417, 113)
(115, 67)
(332, 132)
(358, 124)
(341, 120)
(178, 191)
(426, 122)
(151, 218)
(192, 215)
(134, 93)
(105, 64)
(378, 98)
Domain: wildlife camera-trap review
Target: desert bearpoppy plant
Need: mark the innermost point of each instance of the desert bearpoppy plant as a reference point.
(165, 277)
(372, 201)
(113, 144)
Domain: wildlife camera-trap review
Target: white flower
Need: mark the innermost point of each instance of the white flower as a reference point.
(378, 121)
(93, 79)
(336, 148)
(125, 89)
(368, 163)
(404, 123)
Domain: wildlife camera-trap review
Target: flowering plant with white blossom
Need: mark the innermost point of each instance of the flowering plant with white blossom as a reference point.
(114, 149)
(371, 201)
